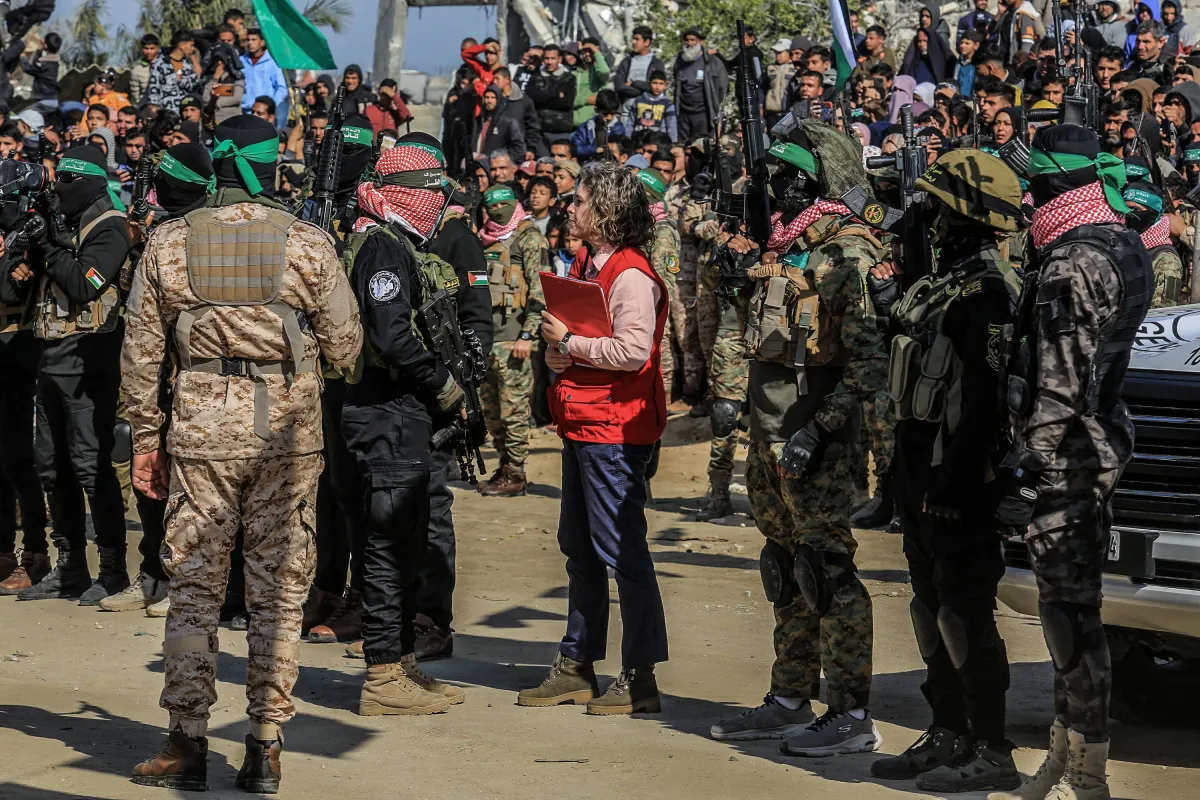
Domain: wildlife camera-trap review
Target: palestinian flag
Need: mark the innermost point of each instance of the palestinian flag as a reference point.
(293, 41)
(844, 58)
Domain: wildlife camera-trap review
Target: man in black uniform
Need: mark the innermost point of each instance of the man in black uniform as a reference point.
(945, 384)
(389, 413)
(76, 315)
(20, 353)
(458, 246)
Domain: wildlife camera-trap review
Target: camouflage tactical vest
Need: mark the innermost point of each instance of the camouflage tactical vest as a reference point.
(435, 273)
(242, 264)
(788, 323)
(56, 317)
(506, 274)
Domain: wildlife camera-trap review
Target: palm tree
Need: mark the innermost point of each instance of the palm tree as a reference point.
(87, 36)
(332, 14)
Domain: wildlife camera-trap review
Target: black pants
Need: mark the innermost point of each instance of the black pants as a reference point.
(957, 566)
(390, 443)
(73, 447)
(152, 513)
(19, 356)
(435, 582)
(693, 126)
(339, 502)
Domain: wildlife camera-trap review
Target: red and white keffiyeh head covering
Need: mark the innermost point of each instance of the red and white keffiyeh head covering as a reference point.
(784, 236)
(417, 209)
(1158, 234)
(1083, 206)
(658, 211)
(493, 231)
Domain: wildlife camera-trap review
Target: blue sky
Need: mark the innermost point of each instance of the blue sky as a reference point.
(432, 41)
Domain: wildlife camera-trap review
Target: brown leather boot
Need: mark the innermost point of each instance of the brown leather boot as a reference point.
(8, 563)
(33, 567)
(260, 772)
(509, 482)
(344, 626)
(318, 608)
(183, 765)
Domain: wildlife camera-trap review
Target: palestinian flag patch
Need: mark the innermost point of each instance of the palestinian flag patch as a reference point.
(478, 279)
(94, 278)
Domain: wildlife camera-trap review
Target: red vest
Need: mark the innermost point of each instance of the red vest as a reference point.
(614, 406)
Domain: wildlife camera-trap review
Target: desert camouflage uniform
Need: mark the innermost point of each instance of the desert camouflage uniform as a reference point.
(664, 257)
(1078, 294)
(815, 509)
(508, 388)
(223, 474)
(695, 314)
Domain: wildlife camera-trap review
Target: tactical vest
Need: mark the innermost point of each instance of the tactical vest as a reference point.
(924, 371)
(57, 317)
(506, 281)
(435, 273)
(242, 263)
(787, 322)
(1124, 249)
(12, 318)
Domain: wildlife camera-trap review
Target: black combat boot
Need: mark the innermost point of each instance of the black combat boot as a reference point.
(260, 772)
(113, 578)
(879, 514)
(69, 579)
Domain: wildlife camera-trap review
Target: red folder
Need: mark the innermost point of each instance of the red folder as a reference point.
(579, 304)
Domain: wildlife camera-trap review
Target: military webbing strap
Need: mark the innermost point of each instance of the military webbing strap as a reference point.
(254, 369)
(81, 237)
(11, 318)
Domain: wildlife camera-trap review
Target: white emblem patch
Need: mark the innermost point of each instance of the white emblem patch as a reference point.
(384, 286)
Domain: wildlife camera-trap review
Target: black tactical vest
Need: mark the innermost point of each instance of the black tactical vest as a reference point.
(1123, 248)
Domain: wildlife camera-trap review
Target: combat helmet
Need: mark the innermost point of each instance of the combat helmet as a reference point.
(825, 156)
(977, 185)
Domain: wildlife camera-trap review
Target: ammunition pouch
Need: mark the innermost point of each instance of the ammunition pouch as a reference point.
(775, 569)
(820, 575)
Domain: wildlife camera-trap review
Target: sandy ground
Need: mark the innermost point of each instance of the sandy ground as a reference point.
(81, 706)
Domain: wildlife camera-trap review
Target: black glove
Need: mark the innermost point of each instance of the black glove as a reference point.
(941, 499)
(1015, 510)
(885, 293)
(802, 454)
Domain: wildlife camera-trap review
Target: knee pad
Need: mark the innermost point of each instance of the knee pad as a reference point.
(925, 625)
(1070, 629)
(774, 567)
(956, 634)
(724, 417)
(812, 572)
(122, 442)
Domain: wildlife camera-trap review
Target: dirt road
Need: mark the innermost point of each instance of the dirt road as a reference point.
(81, 707)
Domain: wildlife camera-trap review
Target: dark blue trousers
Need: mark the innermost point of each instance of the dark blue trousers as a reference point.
(602, 524)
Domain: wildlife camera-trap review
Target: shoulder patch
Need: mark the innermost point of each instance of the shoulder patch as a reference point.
(477, 279)
(974, 287)
(384, 286)
(996, 345)
(672, 264)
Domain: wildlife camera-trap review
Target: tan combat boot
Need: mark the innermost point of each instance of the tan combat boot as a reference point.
(509, 481)
(1039, 784)
(182, 765)
(569, 681)
(452, 693)
(1084, 778)
(387, 689)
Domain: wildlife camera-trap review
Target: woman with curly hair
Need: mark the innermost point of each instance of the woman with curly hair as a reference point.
(610, 408)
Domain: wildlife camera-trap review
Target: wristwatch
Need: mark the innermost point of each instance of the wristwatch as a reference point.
(563, 346)
(526, 336)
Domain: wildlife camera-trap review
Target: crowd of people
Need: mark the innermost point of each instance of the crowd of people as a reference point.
(277, 404)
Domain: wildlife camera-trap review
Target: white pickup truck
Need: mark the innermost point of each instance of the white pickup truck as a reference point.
(1152, 582)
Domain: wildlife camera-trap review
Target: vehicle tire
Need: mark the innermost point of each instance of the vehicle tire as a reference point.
(1154, 688)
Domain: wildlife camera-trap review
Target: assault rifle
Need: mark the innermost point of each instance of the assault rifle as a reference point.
(329, 166)
(140, 208)
(907, 222)
(1081, 102)
(466, 365)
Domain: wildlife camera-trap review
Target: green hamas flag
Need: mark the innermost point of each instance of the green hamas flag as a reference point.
(293, 41)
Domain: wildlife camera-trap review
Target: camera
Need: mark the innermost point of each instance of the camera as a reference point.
(22, 178)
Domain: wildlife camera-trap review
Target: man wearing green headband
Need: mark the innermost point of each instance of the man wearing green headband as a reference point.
(1146, 215)
(1080, 313)
(516, 253)
(245, 299)
(77, 316)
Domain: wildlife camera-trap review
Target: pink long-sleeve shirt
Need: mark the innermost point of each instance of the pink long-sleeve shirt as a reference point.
(632, 299)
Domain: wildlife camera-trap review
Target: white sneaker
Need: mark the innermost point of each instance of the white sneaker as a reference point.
(159, 609)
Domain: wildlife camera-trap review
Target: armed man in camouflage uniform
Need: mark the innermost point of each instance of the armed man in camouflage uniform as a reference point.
(1084, 298)
(246, 329)
(664, 257)
(945, 379)
(816, 357)
(516, 252)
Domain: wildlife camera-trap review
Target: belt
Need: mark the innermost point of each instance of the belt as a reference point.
(254, 369)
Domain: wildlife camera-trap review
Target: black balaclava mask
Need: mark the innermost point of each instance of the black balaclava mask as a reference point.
(179, 197)
(80, 191)
(245, 130)
(355, 157)
(957, 236)
(1138, 219)
(1069, 139)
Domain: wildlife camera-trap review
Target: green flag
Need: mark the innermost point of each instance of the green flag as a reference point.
(293, 41)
